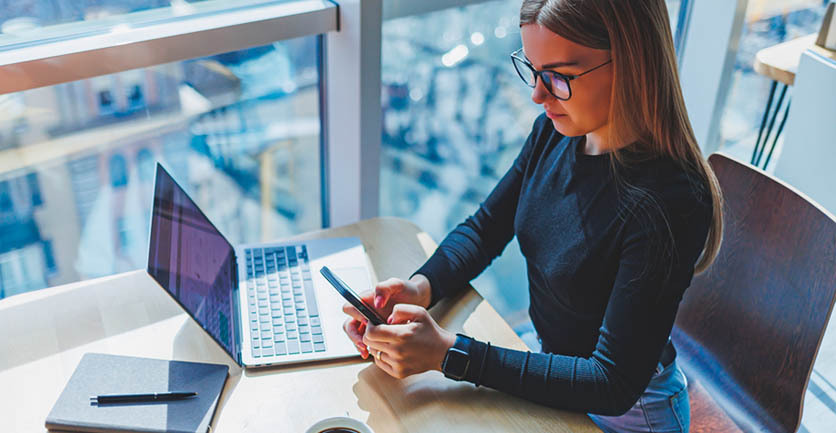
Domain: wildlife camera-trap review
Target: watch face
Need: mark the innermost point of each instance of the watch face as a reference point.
(456, 363)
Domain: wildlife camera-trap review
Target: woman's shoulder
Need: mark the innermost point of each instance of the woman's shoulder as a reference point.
(680, 189)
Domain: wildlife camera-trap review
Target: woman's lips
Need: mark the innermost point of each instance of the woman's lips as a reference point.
(551, 115)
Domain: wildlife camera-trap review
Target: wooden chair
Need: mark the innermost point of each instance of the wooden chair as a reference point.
(748, 329)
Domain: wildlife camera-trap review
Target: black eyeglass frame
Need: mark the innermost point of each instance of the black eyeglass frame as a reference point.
(537, 74)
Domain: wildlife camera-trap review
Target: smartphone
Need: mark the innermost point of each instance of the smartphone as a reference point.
(369, 313)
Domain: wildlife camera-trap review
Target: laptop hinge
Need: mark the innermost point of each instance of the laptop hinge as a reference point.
(236, 311)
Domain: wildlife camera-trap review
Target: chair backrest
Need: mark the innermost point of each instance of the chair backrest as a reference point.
(749, 328)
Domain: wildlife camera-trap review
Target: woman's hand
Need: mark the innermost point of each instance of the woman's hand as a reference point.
(411, 343)
(383, 298)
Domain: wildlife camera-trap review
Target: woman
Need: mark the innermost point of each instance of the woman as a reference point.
(614, 208)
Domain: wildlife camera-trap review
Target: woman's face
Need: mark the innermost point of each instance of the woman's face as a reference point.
(588, 109)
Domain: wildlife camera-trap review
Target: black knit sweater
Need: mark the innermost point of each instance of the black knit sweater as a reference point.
(607, 268)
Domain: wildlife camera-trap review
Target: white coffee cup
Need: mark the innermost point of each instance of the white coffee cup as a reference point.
(340, 422)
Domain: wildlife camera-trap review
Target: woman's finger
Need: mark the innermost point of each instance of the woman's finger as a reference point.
(383, 291)
(380, 360)
(353, 329)
(364, 351)
(367, 296)
(375, 346)
(405, 313)
(381, 352)
(387, 333)
(354, 313)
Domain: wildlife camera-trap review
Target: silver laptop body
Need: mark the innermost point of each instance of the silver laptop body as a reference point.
(264, 304)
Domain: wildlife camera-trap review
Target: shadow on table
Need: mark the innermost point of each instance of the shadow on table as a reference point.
(431, 402)
(425, 402)
(42, 324)
(191, 343)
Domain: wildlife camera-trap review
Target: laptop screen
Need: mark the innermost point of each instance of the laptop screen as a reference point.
(192, 260)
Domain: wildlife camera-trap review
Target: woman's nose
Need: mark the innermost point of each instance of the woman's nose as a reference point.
(539, 94)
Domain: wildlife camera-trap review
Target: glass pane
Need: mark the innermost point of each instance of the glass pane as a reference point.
(33, 21)
(18, 14)
(239, 131)
(455, 115)
(768, 23)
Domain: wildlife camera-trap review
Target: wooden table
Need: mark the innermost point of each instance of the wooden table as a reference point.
(780, 63)
(43, 335)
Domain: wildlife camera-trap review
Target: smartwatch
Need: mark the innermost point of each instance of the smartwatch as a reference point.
(457, 360)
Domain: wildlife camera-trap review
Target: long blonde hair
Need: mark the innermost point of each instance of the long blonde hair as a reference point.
(647, 100)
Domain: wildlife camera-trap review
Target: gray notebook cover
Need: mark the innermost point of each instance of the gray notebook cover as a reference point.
(99, 374)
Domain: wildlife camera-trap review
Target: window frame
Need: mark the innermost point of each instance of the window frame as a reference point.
(25, 66)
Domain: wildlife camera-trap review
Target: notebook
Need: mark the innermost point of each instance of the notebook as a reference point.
(99, 374)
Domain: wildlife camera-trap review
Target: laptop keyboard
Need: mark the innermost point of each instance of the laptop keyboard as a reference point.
(284, 319)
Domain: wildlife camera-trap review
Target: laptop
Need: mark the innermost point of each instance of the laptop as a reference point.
(260, 302)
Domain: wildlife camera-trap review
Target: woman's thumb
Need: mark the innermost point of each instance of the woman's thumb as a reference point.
(405, 313)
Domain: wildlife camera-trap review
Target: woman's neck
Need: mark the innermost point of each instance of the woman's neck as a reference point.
(597, 142)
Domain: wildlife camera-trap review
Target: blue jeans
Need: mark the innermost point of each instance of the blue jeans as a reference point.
(663, 407)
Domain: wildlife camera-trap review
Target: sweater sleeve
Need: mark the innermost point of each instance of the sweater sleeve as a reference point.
(467, 250)
(637, 323)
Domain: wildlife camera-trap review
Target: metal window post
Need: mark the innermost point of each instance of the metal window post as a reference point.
(352, 124)
(707, 63)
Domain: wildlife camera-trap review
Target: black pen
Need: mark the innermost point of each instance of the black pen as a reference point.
(140, 398)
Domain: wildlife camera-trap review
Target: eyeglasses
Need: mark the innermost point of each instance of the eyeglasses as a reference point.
(556, 83)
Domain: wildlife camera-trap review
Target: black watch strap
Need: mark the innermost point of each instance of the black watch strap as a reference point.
(457, 361)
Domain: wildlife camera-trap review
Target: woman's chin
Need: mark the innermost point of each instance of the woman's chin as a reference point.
(561, 125)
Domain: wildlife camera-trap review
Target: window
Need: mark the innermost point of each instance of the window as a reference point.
(24, 15)
(118, 171)
(105, 102)
(766, 24)
(145, 165)
(454, 117)
(239, 130)
(6, 205)
(34, 189)
(22, 260)
(49, 258)
(135, 99)
(33, 22)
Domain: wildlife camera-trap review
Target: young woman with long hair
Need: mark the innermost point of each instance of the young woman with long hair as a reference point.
(615, 209)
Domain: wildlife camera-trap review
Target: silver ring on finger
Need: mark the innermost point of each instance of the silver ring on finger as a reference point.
(377, 355)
